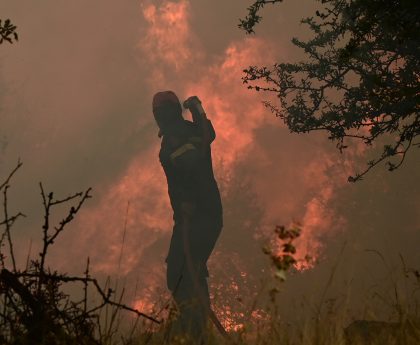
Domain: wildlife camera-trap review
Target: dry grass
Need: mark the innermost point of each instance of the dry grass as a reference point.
(35, 310)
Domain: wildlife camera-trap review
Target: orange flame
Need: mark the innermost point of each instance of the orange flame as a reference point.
(290, 179)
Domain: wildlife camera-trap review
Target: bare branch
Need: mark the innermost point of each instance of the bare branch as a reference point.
(105, 296)
(48, 202)
(8, 222)
(5, 183)
(8, 225)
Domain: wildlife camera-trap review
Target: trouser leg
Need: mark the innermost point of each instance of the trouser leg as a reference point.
(188, 281)
(193, 301)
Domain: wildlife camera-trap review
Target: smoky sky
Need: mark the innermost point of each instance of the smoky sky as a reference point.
(76, 108)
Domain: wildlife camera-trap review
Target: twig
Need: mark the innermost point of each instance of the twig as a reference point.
(105, 296)
(85, 287)
(123, 239)
(18, 165)
(7, 223)
(29, 254)
(10, 280)
(330, 279)
(48, 202)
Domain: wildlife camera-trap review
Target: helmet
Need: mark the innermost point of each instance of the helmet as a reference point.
(167, 110)
(165, 97)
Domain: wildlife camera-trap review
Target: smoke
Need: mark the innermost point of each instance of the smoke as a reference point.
(127, 232)
(83, 118)
(168, 38)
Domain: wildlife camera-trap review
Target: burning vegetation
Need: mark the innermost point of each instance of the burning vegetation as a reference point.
(35, 309)
(36, 306)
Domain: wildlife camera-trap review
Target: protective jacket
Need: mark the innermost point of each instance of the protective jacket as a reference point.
(187, 163)
(189, 171)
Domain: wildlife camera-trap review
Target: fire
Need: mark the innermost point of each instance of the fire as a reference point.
(168, 36)
(235, 112)
(289, 179)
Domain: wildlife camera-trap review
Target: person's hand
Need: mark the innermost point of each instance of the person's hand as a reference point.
(191, 102)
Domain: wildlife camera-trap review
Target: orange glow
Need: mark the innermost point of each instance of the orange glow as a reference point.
(300, 183)
(235, 111)
(168, 38)
(148, 216)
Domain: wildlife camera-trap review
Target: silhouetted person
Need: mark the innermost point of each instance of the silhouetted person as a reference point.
(185, 156)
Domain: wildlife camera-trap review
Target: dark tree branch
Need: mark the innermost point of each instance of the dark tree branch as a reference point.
(8, 222)
(106, 296)
(48, 202)
(362, 73)
(32, 302)
(8, 225)
(253, 18)
(6, 182)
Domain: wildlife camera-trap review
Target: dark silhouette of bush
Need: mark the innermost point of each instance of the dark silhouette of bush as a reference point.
(33, 307)
(359, 80)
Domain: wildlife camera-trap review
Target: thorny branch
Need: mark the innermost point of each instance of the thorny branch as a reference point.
(32, 303)
(6, 182)
(106, 296)
(48, 202)
(9, 221)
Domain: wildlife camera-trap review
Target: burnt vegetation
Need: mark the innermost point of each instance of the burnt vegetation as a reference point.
(34, 309)
(368, 51)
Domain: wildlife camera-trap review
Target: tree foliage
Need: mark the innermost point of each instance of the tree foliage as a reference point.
(253, 17)
(7, 31)
(360, 79)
